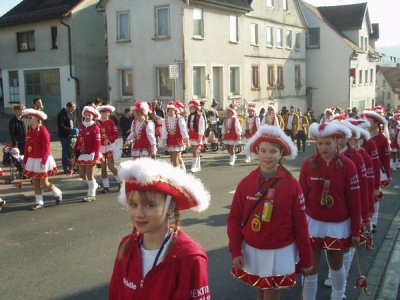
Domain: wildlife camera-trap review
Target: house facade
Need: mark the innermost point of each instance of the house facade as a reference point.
(238, 51)
(388, 87)
(341, 62)
(53, 50)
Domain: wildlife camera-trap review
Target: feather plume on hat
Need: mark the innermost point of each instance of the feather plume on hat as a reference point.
(36, 113)
(329, 130)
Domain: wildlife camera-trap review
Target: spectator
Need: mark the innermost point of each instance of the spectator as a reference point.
(291, 121)
(261, 114)
(158, 109)
(125, 123)
(17, 129)
(302, 134)
(37, 104)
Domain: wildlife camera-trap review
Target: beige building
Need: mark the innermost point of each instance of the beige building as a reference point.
(388, 87)
(223, 50)
(52, 50)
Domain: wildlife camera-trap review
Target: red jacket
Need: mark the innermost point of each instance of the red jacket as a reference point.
(370, 178)
(182, 275)
(288, 221)
(88, 140)
(344, 188)
(37, 144)
(108, 130)
(358, 161)
(382, 145)
(372, 151)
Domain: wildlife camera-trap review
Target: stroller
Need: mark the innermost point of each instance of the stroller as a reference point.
(12, 162)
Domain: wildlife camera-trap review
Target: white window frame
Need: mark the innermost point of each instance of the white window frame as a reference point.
(289, 39)
(255, 77)
(297, 75)
(270, 36)
(233, 29)
(124, 81)
(119, 33)
(254, 34)
(285, 5)
(270, 3)
(297, 43)
(234, 80)
(315, 42)
(198, 12)
(159, 34)
(164, 71)
(279, 37)
(199, 81)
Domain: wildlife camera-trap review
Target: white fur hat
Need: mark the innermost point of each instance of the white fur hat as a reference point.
(171, 104)
(141, 106)
(272, 134)
(329, 130)
(355, 130)
(91, 110)
(146, 174)
(232, 107)
(362, 124)
(251, 106)
(375, 116)
(194, 103)
(35, 113)
(105, 108)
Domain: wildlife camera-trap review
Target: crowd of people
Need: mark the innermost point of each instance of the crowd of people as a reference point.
(277, 225)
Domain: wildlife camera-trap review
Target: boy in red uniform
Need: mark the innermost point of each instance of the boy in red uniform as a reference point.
(158, 260)
(231, 132)
(267, 226)
(250, 125)
(109, 134)
(196, 127)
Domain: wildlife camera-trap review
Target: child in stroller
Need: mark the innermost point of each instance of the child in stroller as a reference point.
(13, 160)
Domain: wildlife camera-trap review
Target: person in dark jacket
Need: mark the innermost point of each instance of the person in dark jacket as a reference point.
(17, 129)
(125, 123)
(66, 130)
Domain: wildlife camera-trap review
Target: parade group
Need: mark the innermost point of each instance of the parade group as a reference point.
(277, 225)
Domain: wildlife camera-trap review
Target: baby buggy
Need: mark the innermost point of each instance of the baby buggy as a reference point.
(13, 161)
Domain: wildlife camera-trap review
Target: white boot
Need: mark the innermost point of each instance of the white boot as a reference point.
(198, 164)
(182, 166)
(194, 165)
(248, 159)
(393, 165)
(232, 160)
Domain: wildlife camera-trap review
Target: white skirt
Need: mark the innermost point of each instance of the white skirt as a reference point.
(176, 149)
(106, 150)
(140, 153)
(33, 169)
(269, 262)
(88, 159)
(231, 142)
(321, 229)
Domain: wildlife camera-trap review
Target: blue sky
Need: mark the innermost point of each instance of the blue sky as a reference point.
(383, 12)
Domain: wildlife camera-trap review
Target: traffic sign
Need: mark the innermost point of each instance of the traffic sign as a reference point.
(173, 71)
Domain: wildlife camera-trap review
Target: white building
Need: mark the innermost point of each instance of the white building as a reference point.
(341, 62)
(53, 50)
(388, 87)
(225, 50)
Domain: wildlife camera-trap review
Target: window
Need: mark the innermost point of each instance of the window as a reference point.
(366, 76)
(271, 76)
(270, 37)
(234, 81)
(285, 5)
(388, 106)
(123, 24)
(33, 84)
(279, 70)
(51, 83)
(162, 22)
(26, 41)
(198, 22)
(14, 86)
(164, 83)
(360, 76)
(279, 37)
(54, 37)
(366, 43)
(255, 77)
(297, 42)
(371, 75)
(233, 29)
(254, 34)
(313, 38)
(388, 96)
(126, 79)
(297, 76)
(199, 81)
(289, 39)
(270, 3)
(384, 83)
(362, 43)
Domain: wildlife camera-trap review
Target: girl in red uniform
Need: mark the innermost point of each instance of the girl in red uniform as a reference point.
(250, 125)
(87, 150)
(196, 128)
(378, 125)
(158, 260)
(142, 132)
(331, 190)
(38, 163)
(231, 131)
(109, 134)
(394, 129)
(267, 226)
(174, 135)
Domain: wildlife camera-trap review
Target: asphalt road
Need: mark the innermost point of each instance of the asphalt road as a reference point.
(68, 251)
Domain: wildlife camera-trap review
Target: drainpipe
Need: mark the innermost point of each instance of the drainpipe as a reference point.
(78, 94)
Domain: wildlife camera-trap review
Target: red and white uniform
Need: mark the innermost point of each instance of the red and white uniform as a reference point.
(357, 159)
(88, 144)
(382, 145)
(370, 147)
(287, 229)
(37, 153)
(231, 130)
(370, 178)
(109, 131)
(143, 138)
(174, 132)
(250, 126)
(395, 138)
(196, 128)
(182, 274)
(270, 120)
(345, 194)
